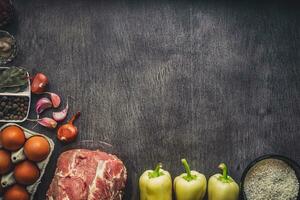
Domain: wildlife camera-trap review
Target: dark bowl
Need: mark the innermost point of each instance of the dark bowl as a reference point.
(293, 164)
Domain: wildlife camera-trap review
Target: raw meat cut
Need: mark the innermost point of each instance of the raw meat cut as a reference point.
(83, 174)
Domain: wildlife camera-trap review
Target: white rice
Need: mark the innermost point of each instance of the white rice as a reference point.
(271, 179)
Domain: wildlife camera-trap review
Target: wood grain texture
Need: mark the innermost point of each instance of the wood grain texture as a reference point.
(162, 80)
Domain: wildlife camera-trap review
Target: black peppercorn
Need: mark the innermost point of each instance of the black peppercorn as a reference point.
(13, 108)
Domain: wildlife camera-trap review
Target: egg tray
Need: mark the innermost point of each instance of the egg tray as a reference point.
(25, 93)
(18, 156)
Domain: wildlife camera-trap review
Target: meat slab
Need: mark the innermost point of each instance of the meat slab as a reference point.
(83, 174)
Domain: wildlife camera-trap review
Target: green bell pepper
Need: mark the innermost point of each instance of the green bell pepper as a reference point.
(156, 184)
(222, 186)
(190, 185)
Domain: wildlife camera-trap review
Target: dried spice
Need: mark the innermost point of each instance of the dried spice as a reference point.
(5, 46)
(13, 80)
(271, 179)
(13, 108)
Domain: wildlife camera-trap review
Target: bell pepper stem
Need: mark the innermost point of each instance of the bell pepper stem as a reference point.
(157, 168)
(189, 176)
(224, 169)
(187, 168)
(156, 172)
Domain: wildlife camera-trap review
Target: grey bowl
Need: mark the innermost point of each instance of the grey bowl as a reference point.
(293, 164)
(14, 48)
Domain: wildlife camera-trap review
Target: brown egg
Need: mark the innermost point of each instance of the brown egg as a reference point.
(5, 161)
(26, 173)
(37, 148)
(12, 138)
(16, 192)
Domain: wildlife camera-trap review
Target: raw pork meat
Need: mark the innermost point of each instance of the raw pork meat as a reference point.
(83, 174)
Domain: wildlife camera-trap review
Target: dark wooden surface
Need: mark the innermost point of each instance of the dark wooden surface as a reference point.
(162, 80)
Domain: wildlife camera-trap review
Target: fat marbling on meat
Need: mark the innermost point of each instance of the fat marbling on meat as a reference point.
(83, 174)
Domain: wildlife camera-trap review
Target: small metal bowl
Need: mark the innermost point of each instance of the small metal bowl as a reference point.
(5, 60)
(293, 164)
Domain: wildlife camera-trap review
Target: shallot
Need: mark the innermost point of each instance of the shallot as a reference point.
(42, 105)
(55, 99)
(39, 83)
(68, 132)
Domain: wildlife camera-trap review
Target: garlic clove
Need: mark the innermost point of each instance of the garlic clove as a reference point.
(55, 99)
(47, 122)
(61, 115)
(42, 105)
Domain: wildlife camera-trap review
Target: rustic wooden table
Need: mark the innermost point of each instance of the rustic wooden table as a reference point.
(163, 80)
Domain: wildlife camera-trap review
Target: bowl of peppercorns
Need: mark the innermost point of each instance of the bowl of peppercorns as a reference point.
(15, 94)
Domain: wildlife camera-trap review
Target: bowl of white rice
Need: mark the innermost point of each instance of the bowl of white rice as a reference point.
(271, 177)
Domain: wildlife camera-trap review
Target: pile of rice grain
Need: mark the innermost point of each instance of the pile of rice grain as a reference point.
(271, 179)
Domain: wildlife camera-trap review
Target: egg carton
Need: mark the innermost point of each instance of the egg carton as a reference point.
(18, 156)
(25, 93)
